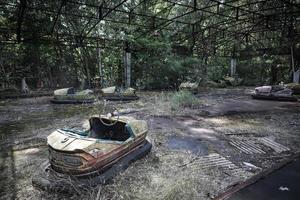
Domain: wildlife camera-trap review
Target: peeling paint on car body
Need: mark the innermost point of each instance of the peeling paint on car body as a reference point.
(73, 153)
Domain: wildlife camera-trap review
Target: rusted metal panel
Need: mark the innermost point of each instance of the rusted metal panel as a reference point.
(215, 160)
(278, 148)
(247, 146)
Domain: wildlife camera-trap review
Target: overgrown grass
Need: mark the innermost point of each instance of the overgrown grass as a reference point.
(166, 103)
(183, 99)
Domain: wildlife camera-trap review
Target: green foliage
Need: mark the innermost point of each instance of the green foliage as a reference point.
(217, 68)
(183, 99)
(158, 67)
(163, 54)
(262, 69)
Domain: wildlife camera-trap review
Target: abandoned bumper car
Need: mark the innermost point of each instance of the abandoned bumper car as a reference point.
(82, 159)
(119, 94)
(277, 92)
(189, 86)
(69, 96)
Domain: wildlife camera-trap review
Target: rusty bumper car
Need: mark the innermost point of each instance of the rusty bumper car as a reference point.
(189, 86)
(69, 96)
(277, 93)
(119, 94)
(82, 159)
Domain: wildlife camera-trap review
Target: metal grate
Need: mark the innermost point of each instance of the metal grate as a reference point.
(215, 160)
(278, 148)
(247, 147)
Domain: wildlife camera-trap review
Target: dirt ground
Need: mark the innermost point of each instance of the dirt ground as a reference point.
(197, 152)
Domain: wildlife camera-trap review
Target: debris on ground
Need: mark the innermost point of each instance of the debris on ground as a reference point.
(203, 161)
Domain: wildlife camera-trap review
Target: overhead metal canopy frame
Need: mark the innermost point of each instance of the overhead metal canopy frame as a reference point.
(211, 23)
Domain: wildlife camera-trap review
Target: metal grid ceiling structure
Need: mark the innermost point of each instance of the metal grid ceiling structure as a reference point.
(211, 24)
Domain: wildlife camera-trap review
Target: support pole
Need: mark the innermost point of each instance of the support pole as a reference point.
(100, 65)
(292, 57)
(127, 63)
(127, 60)
(233, 66)
(296, 74)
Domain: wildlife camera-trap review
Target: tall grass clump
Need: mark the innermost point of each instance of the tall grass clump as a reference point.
(183, 99)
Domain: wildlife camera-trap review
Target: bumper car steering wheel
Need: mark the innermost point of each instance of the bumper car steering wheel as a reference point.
(112, 115)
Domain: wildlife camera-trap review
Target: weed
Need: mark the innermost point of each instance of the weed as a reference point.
(183, 99)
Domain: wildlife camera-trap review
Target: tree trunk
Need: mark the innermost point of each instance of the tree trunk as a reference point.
(87, 72)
